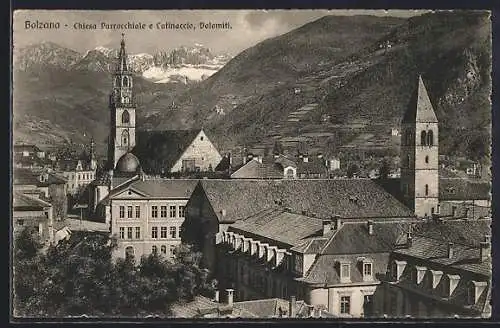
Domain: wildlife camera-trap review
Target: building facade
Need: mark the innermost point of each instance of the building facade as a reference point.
(146, 215)
(277, 253)
(30, 211)
(443, 270)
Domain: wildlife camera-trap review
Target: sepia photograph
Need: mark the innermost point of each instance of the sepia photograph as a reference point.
(251, 164)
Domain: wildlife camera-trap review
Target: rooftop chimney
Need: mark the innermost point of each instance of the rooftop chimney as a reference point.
(327, 226)
(450, 250)
(484, 251)
(338, 222)
(409, 240)
(310, 311)
(293, 305)
(216, 296)
(230, 296)
(370, 227)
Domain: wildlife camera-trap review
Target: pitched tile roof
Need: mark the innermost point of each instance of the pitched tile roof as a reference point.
(157, 188)
(159, 150)
(24, 202)
(349, 198)
(279, 225)
(25, 147)
(466, 232)
(285, 161)
(23, 176)
(255, 170)
(431, 238)
(464, 257)
(353, 238)
(449, 188)
(268, 308)
(166, 188)
(326, 269)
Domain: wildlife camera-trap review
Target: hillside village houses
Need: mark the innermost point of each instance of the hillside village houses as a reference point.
(278, 229)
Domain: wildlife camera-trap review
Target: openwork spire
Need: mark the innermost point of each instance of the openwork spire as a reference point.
(122, 57)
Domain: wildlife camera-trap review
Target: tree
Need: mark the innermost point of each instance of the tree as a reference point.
(78, 276)
(277, 148)
(352, 170)
(385, 169)
(28, 269)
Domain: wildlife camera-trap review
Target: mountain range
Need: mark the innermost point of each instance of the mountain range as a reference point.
(338, 83)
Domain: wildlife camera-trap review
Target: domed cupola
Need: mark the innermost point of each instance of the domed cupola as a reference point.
(128, 163)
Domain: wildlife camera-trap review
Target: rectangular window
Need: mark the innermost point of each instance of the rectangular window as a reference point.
(182, 211)
(163, 211)
(122, 233)
(172, 211)
(137, 211)
(154, 211)
(367, 269)
(122, 212)
(137, 232)
(129, 233)
(345, 271)
(129, 211)
(173, 232)
(163, 232)
(345, 304)
(154, 232)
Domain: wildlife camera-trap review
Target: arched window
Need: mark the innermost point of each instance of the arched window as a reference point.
(125, 117)
(408, 138)
(289, 173)
(407, 161)
(163, 249)
(125, 100)
(125, 81)
(427, 159)
(430, 138)
(125, 138)
(427, 190)
(129, 253)
(154, 249)
(117, 81)
(423, 138)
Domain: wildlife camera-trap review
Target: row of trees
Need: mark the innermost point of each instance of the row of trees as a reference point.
(78, 277)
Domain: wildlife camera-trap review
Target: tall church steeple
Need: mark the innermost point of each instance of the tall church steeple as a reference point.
(122, 109)
(420, 153)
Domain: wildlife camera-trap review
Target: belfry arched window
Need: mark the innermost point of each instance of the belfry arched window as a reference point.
(125, 81)
(430, 138)
(125, 138)
(125, 117)
(423, 138)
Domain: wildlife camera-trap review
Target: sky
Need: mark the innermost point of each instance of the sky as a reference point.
(248, 27)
